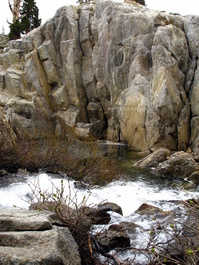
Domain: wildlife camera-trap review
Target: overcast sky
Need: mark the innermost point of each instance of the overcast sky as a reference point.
(47, 9)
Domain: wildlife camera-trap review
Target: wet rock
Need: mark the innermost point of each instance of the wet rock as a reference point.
(130, 227)
(80, 185)
(115, 236)
(31, 237)
(110, 206)
(98, 216)
(148, 209)
(189, 186)
(194, 177)
(22, 171)
(152, 160)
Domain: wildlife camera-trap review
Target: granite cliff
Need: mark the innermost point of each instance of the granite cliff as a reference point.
(108, 70)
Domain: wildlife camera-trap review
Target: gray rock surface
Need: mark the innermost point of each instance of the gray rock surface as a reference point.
(110, 206)
(164, 163)
(153, 160)
(179, 164)
(113, 237)
(33, 237)
(3, 42)
(148, 209)
(129, 72)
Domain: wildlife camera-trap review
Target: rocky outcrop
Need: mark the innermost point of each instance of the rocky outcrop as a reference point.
(3, 42)
(32, 237)
(178, 164)
(108, 70)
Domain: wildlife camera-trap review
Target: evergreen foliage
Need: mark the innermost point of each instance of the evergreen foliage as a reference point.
(29, 16)
(15, 30)
(141, 2)
(28, 20)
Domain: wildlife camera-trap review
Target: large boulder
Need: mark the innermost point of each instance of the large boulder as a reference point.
(148, 209)
(152, 160)
(179, 164)
(33, 237)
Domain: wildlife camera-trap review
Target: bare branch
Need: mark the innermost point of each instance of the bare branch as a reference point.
(14, 8)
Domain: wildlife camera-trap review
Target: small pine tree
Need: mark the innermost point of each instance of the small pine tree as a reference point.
(141, 2)
(29, 16)
(15, 30)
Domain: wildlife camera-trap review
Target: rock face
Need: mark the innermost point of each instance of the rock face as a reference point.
(107, 70)
(31, 237)
(3, 41)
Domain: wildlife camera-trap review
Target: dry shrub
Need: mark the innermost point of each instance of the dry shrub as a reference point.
(69, 211)
(79, 160)
(78, 217)
(181, 243)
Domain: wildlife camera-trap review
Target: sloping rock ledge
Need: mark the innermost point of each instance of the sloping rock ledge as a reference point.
(33, 237)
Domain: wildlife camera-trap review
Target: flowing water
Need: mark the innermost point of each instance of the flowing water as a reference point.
(129, 193)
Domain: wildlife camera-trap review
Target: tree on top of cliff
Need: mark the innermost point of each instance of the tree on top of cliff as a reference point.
(141, 2)
(84, 1)
(14, 6)
(24, 19)
(29, 16)
(15, 30)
